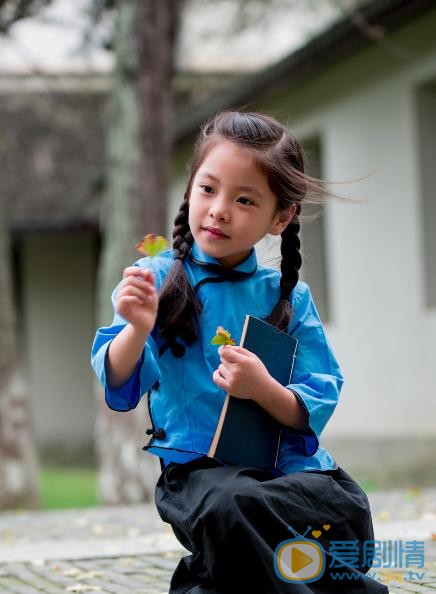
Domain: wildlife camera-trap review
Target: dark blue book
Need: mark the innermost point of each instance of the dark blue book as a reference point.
(246, 434)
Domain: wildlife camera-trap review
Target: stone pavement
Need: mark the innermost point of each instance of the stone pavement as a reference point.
(129, 550)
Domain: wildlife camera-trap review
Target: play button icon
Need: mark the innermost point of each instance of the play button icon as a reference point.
(301, 560)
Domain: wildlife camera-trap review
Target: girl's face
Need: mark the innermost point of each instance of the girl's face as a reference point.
(230, 193)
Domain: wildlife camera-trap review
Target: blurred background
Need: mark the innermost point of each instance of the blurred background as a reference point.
(100, 103)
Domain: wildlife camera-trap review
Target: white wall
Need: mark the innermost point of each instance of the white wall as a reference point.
(382, 332)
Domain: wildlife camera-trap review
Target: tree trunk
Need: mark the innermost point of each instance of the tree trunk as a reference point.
(18, 460)
(138, 150)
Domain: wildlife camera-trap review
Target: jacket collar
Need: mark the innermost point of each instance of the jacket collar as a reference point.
(199, 257)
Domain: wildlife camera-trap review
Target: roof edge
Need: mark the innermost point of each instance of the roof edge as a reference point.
(340, 41)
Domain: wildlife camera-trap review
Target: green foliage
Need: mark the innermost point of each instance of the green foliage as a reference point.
(12, 11)
(368, 486)
(68, 487)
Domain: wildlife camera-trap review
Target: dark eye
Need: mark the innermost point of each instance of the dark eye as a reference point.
(242, 198)
(205, 188)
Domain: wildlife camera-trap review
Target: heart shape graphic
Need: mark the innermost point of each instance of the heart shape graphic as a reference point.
(326, 526)
(316, 533)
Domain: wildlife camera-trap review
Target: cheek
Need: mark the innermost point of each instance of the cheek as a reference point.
(194, 207)
(193, 212)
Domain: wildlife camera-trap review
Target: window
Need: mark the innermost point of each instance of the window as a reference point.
(313, 237)
(426, 118)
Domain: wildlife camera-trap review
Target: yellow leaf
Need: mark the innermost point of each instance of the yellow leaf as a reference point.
(151, 245)
(83, 588)
(97, 529)
(222, 337)
(383, 516)
(89, 574)
(71, 571)
(37, 562)
(126, 561)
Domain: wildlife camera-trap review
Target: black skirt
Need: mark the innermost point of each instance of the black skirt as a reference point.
(235, 519)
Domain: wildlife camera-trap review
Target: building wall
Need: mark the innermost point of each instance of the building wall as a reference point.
(381, 327)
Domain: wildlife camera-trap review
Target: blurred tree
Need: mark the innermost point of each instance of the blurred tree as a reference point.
(18, 461)
(12, 11)
(135, 201)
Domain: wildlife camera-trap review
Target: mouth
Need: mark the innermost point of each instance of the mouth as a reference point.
(215, 232)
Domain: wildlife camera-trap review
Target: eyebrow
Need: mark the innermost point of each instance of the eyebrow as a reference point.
(243, 188)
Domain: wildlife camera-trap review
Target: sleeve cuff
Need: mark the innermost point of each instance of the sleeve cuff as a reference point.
(126, 396)
(308, 437)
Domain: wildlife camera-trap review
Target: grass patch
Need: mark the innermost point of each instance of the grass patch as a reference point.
(368, 486)
(68, 487)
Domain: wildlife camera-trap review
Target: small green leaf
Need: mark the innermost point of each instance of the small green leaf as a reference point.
(222, 337)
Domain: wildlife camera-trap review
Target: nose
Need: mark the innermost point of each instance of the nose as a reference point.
(218, 209)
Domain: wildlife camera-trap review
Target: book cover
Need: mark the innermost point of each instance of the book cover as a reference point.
(246, 433)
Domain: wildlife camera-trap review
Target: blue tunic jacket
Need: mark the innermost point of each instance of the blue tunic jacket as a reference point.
(184, 402)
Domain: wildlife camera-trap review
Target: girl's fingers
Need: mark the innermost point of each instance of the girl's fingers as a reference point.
(135, 272)
(230, 355)
(131, 290)
(137, 282)
(137, 288)
(126, 303)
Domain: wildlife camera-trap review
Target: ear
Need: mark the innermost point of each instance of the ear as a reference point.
(282, 220)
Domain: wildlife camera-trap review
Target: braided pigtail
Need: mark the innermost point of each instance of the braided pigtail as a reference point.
(290, 265)
(179, 306)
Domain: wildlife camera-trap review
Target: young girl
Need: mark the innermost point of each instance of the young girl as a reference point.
(246, 180)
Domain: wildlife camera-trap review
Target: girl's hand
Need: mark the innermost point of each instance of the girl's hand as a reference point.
(241, 373)
(137, 299)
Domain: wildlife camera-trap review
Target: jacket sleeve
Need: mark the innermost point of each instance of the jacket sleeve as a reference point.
(146, 372)
(316, 378)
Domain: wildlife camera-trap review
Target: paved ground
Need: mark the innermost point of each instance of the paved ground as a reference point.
(129, 550)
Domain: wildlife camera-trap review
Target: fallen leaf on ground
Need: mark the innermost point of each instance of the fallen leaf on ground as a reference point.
(383, 516)
(37, 562)
(83, 588)
(71, 571)
(89, 575)
(127, 561)
(97, 529)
